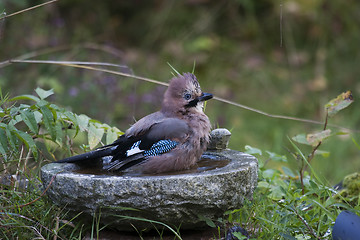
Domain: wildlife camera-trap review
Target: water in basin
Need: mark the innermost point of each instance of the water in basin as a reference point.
(206, 163)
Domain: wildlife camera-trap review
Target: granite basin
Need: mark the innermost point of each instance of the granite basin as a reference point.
(182, 199)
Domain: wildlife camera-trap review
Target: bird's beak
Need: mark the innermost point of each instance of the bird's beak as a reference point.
(202, 98)
(205, 97)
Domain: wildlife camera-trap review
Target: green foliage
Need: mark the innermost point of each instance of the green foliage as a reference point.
(280, 210)
(24, 216)
(43, 127)
(294, 203)
(33, 127)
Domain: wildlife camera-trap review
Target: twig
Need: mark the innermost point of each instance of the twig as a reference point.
(28, 9)
(312, 154)
(326, 119)
(93, 46)
(64, 63)
(270, 115)
(305, 223)
(28, 156)
(92, 68)
(68, 63)
(56, 227)
(18, 167)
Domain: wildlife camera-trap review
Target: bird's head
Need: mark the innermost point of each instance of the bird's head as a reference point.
(184, 95)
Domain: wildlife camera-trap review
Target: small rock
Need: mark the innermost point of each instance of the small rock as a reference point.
(238, 229)
(219, 139)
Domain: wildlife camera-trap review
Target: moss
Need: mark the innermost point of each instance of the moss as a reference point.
(351, 189)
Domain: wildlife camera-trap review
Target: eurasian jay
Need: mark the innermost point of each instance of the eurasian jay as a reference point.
(171, 139)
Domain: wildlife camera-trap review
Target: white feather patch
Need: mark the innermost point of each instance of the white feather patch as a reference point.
(200, 107)
(133, 151)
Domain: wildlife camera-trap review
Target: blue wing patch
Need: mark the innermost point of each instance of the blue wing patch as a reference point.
(160, 147)
(156, 149)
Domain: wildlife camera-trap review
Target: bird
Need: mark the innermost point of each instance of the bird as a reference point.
(171, 139)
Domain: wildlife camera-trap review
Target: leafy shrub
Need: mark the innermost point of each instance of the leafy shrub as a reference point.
(295, 203)
(44, 128)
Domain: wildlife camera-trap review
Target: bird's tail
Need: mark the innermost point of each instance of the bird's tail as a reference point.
(89, 156)
(119, 165)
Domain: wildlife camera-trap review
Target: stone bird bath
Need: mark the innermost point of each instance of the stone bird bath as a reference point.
(223, 179)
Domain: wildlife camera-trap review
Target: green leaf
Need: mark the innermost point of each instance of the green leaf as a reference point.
(208, 221)
(56, 107)
(54, 113)
(111, 136)
(287, 236)
(252, 150)
(2, 150)
(29, 119)
(356, 144)
(28, 141)
(42, 103)
(322, 153)
(315, 138)
(38, 116)
(3, 142)
(277, 193)
(11, 138)
(276, 157)
(44, 93)
(239, 235)
(302, 237)
(340, 102)
(71, 117)
(17, 119)
(301, 138)
(288, 172)
(14, 111)
(48, 120)
(24, 106)
(25, 97)
(83, 122)
(263, 184)
(269, 173)
(59, 133)
(341, 133)
(95, 135)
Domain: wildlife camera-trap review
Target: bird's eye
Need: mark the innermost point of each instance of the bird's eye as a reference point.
(187, 96)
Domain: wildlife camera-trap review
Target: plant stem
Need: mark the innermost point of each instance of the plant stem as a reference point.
(306, 224)
(312, 154)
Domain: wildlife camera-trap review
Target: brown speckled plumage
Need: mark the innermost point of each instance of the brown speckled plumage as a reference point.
(193, 141)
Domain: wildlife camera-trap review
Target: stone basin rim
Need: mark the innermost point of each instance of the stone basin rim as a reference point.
(67, 170)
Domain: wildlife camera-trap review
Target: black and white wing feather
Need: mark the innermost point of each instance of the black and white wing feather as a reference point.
(129, 149)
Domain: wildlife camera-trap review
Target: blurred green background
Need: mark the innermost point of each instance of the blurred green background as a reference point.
(282, 57)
